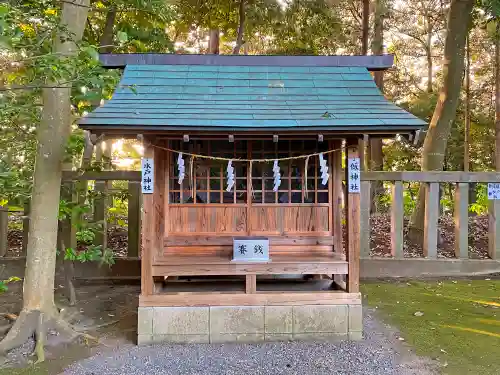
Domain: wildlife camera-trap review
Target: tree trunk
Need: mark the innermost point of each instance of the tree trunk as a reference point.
(38, 290)
(428, 52)
(106, 41)
(376, 154)
(241, 29)
(497, 97)
(467, 107)
(365, 28)
(436, 139)
(213, 43)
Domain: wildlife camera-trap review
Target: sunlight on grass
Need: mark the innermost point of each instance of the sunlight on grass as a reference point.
(460, 325)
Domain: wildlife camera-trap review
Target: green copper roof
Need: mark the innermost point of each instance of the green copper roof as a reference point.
(239, 98)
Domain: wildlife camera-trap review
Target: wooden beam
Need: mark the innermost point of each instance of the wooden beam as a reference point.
(397, 217)
(352, 216)
(153, 217)
(336, 180)
(101, 176)
(494, 229)
(134, 218)
(431, 220)
(365, 228)
(290, 241)
(120, 60)
(461, 218)
(257, 299)
(434, 176)
(251, 284)
(4, 229)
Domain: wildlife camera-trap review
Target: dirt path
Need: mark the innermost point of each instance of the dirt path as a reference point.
(379, 353)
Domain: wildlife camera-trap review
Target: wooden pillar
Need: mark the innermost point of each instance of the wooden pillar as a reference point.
(352, 216)
(365, 204)
(251, 284)
(461, 218)
(431, 220)
(153, 227)
(134, 218)
(397, 213)
(4, 229)
(100, 202)
(336, 180)
(494, 229)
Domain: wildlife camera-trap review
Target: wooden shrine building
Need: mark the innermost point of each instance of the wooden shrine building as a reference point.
(200, 279)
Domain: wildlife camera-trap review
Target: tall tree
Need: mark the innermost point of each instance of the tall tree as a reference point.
(365, 28)
(39, 310)
(459, 18)
(497, 96)
(376, 156)
(241, 28)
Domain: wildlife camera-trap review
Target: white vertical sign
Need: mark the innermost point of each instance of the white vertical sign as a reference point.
(354, 175)
(148, 176)
(493, 191)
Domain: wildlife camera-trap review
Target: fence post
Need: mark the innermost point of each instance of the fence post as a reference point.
(4, 230)
(26, 226)
(461, 218)
(101, 190)
(134, 218)
(431, 220)
(397, 217)
(365, 204)
(494, 229)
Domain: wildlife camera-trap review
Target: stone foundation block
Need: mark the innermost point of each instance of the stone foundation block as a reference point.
(181, 339)
(355, 318)
(236, 319)
(181, 321)
(355, 335)
(320, 318)
(145, 320)
(144, 339)
(278, 319)
(219, 338)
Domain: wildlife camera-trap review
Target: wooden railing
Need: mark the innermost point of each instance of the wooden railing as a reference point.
(133, 215)
(461, 180)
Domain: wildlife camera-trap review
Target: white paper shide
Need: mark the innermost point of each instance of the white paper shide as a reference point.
(323, 168)
(276, 175)
(230, 175)
(147, 175)
(181, 168)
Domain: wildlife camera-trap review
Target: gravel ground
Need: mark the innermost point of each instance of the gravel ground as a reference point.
(379, 353)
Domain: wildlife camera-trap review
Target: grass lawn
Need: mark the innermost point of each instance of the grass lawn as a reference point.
(460, 325)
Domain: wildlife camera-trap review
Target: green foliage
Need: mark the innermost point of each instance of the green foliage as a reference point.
(4, 283)
(480, 207)
(459, 322)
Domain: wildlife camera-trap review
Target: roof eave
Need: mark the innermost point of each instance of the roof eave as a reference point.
(120, 60)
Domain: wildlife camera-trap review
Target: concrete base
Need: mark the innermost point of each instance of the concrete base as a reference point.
(223, 324)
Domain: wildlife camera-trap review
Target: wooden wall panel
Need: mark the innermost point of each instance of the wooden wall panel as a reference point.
(265, 220)
(207, 220)
(305, 219)
(227, 251)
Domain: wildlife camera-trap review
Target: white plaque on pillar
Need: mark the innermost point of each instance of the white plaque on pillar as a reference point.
(354, 175)
(147, 176)
(494, 190)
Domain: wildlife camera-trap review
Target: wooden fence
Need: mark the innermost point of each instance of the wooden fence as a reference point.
(100, 207)
(461, 180)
